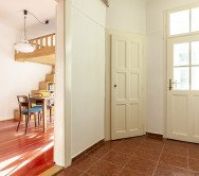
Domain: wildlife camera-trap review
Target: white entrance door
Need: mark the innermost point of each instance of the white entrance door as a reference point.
(127, 54)
(183, 89)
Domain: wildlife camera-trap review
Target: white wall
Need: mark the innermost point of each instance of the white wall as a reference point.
(39, 29)
(88, 73)
(156, 72)
(15, 77)
(127, 16)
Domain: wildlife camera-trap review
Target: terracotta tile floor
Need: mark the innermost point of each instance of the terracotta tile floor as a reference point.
(138, 157)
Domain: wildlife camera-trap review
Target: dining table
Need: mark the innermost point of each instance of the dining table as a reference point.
(44, 102)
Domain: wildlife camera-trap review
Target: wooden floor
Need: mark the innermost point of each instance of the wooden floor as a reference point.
(22, 154)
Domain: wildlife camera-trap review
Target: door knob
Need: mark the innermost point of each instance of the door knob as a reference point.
(115, 85)
(171, 84)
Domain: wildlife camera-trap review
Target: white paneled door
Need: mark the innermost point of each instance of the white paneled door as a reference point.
(183, 89)
(127, 53)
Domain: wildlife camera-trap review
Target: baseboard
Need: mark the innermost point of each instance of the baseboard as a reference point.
(8, 120)
(93, 147)
(154, 136)
(52, 171)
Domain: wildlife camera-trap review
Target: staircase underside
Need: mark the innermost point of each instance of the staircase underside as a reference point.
(48, 59)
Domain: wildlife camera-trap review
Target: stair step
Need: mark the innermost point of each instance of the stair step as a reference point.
(53, 70)
(43, 93)
(43, 85)
(50, 77)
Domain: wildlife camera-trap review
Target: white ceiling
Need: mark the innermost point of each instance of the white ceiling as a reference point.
(12, 15)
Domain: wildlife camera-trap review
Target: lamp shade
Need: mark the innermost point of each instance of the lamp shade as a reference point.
(24, 46)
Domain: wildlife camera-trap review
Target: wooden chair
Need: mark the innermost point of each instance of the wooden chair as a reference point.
(50, 107)
(27, 110)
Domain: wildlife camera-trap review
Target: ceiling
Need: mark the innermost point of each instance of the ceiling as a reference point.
(11, 11)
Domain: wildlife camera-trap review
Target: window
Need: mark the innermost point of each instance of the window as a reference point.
(186, 65)
(194, 19)
(184, 34)
(179, 22)
(181, 66)
(195, 65)
(184, 21)
(181, 54)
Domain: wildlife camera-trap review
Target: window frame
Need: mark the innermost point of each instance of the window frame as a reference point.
(183, 8)
(181, 40)
(179, 37)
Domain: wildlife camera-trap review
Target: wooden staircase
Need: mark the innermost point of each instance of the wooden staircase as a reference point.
(43, 89)
(44, 53)
(46, 86)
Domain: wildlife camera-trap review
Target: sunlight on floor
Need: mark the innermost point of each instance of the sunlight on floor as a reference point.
(47, 147)
(7, 162)
(19, 151)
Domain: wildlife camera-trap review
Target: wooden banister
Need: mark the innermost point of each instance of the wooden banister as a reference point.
(44, 52)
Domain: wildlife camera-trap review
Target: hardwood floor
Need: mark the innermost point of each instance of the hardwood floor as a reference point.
(22, 154)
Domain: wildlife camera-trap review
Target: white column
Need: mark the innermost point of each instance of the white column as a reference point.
(62, 147)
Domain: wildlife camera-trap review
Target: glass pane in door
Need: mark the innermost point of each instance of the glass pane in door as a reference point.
(195, 78)
(195, 53)
(181, 54)
(194, 19)
(179, 22)
(181, 78)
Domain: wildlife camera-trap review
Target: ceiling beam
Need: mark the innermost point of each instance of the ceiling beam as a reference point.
(106, 2)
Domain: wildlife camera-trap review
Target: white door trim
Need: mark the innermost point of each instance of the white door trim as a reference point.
(62, 130)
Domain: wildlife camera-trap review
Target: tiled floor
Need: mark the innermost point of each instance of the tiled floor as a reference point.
(138, 157)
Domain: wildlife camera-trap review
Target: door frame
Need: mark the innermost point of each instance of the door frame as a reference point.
(109, 33)
(188, 93)
(62, 129)
(166, 36)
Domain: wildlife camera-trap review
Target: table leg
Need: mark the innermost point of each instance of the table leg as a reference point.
(44, 115)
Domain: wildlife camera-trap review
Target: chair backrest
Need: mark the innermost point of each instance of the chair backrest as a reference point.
(23, 102)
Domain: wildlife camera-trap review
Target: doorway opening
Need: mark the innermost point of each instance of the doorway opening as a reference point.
(30, 143)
